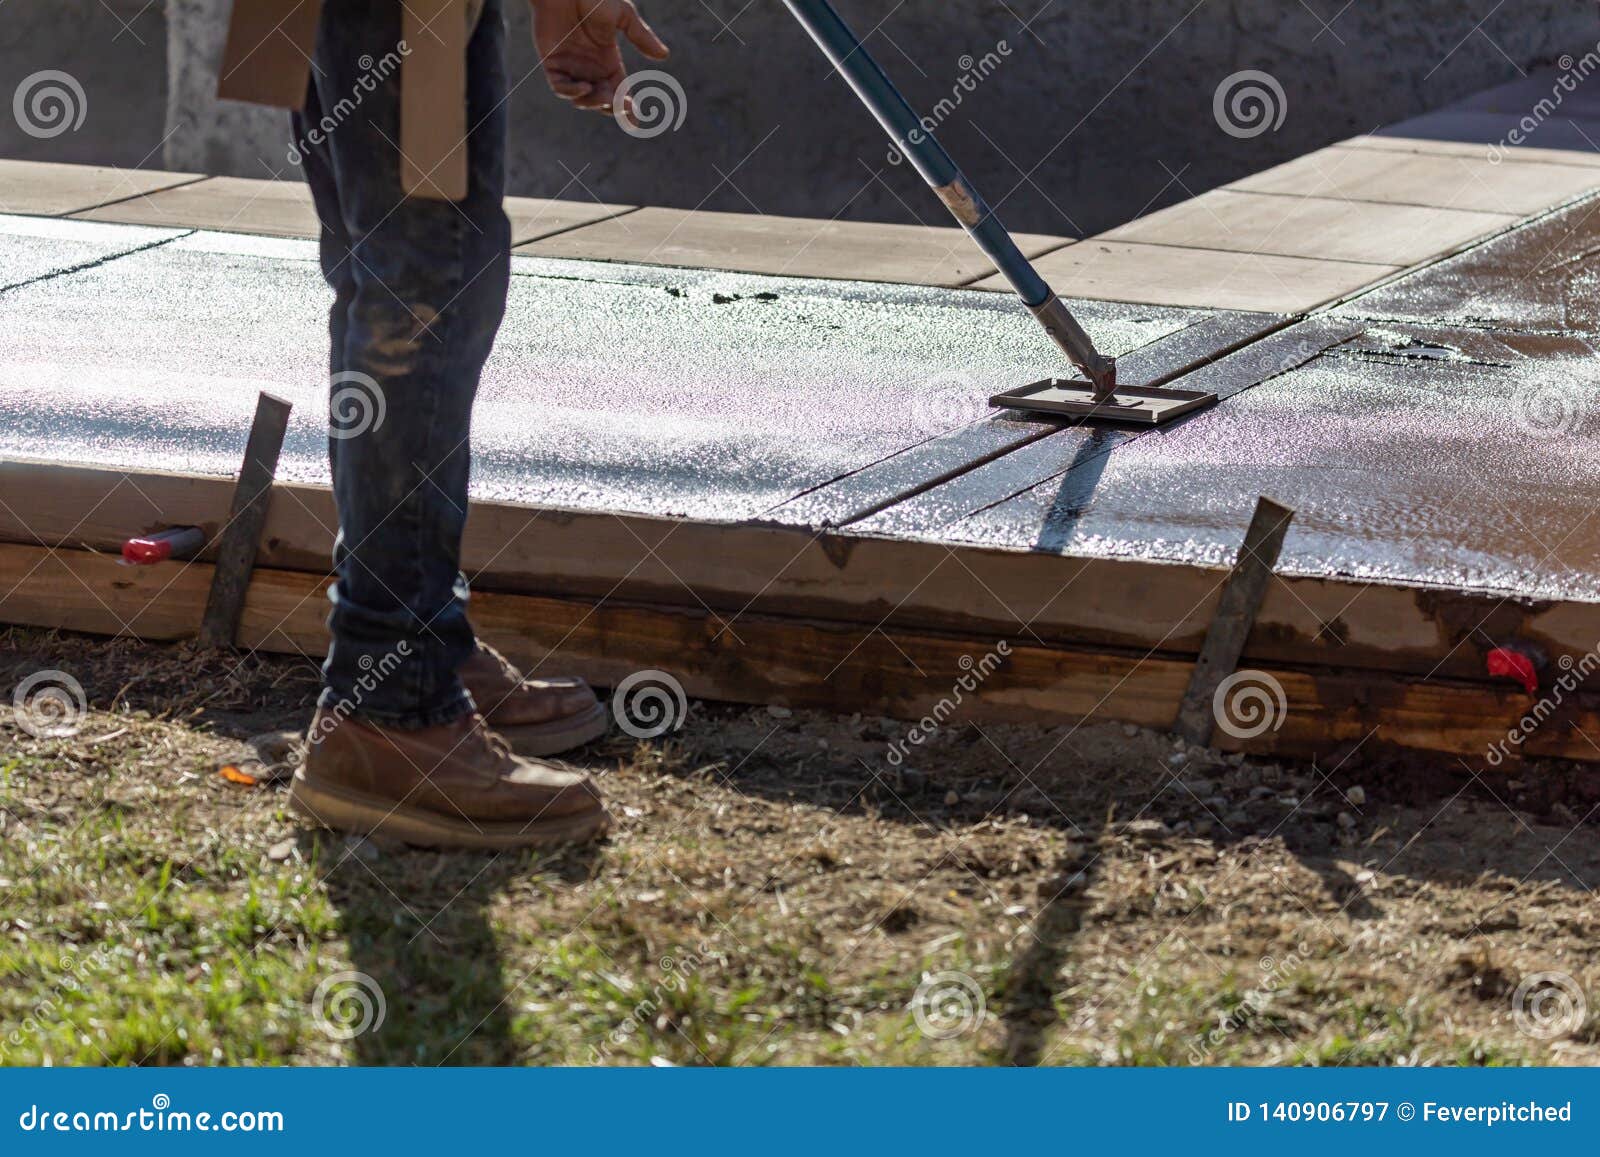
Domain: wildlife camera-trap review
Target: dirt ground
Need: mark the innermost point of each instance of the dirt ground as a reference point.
(778, 893)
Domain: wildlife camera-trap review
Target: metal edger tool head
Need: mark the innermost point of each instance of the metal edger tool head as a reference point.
(1130, 405)
(1099, 398)
(1096, 399)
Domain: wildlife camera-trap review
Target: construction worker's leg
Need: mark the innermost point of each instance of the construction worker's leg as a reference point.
(312, 153)
(428, 284)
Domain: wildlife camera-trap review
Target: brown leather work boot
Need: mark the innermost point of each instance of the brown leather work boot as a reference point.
(536, 716)
(452, 786)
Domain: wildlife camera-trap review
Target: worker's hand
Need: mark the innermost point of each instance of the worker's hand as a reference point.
(578, 44)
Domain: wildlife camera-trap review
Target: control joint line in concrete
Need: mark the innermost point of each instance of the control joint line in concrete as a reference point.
(68, 214)
(1049, 427)
(1390, 279)
(1046, 429)
(83, 266)
(977, 277)
(623, 212)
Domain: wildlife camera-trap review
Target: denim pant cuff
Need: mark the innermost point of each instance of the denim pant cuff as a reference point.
(331, 700)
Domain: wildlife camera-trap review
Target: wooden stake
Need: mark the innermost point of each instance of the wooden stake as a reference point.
(1241, 598)
(241, 535)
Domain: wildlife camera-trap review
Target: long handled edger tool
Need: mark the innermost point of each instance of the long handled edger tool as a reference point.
(1099, 398)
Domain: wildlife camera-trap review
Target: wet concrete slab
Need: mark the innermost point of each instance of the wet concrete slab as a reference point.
(1541, 277)
(1071, 447)
(1000, 444)
(715, 396)
(1410, 454)
(34, 247)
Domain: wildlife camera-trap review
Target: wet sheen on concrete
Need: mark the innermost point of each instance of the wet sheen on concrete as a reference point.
(36, 247)
(1440, 431)
(1540, 278)
(710, 395)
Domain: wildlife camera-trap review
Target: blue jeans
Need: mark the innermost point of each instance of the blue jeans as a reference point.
(419, 291)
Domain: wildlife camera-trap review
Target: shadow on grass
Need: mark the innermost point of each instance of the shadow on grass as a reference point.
(426, 984)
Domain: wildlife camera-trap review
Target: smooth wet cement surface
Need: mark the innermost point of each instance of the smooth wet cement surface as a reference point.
(35, 247)
(1440, 430)
(1464, 454)
(716, 396)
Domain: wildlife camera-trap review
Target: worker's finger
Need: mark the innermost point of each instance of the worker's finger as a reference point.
(568, 87)
(599, 97)
(641, 35)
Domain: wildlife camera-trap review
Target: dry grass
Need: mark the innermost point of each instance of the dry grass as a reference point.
(777, 894)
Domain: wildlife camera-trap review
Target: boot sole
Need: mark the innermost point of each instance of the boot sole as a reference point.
(353, 811)
(542, 739)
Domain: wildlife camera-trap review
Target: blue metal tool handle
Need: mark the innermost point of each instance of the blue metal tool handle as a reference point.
(905, 128)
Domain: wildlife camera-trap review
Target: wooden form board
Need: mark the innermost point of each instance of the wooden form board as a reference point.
(809, 663)
(731, 571)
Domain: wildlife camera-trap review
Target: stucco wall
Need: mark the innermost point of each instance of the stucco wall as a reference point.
(1096, 112)
(115, 53)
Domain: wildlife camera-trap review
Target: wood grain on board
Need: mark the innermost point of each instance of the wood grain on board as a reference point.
(802, 663)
